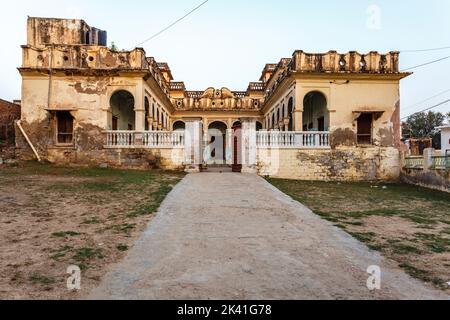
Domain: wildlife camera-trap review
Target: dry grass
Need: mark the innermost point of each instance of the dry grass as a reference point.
(53, 217)
(408, 224)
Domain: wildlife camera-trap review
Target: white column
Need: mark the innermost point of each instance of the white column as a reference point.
(248, 145)
(193, 145)
(229, 143)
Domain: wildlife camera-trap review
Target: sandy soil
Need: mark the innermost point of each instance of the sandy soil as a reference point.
(52, 220)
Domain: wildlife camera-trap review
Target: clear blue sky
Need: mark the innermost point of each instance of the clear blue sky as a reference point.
(227, 42)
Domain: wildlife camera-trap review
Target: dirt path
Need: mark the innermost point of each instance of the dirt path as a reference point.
(231, 236)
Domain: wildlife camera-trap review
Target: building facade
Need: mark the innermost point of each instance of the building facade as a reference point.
(327, 116)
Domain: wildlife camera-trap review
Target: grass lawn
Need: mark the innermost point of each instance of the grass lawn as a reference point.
(52, 217)
(408, 224)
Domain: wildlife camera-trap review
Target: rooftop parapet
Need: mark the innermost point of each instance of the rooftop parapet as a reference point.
(45, 31)
(82, 57)
(351, 62)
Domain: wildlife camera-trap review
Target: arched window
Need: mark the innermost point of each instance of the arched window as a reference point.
(122, 110)
(315, 112)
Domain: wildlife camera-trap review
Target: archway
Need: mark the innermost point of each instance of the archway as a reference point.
(179, 126)
(259, 126)
(315, 112)
(215, 152)
(291, 114)
(147, 114)
(122, 109)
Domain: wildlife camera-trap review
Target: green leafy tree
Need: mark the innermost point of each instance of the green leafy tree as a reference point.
(423, 125)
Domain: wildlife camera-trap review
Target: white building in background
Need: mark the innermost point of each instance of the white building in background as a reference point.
(445, 139)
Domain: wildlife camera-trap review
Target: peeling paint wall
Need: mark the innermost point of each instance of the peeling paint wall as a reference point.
(341, 164)
(434, 179)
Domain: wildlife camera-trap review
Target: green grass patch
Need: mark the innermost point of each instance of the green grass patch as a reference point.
(65, 234)
(152, 206)
(59, 253)
(85, 254)
(415, 272)
(125, 228)
(40, 279)
(93, 220)
(122, 247)
(434, 242)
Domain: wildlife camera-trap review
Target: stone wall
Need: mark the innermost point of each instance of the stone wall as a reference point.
(9, 113)
(434, 179)
(168, 159)
(341, 164)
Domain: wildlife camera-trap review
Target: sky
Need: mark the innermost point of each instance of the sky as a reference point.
(226, 43)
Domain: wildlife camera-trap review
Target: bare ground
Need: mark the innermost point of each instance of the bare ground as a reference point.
(234, 236)
(408, 224)
(53, 217)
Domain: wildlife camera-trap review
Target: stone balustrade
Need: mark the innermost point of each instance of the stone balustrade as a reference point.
(145, 140)
(293, 140)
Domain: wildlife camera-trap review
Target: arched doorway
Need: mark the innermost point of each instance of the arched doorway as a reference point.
(315, 112)
(179, 126)
(291, 114)
(122, 109)
(147, 114)
(259, 126)
(215, 152)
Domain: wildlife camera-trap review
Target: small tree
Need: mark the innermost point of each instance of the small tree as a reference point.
(114, 47)
(423, 125)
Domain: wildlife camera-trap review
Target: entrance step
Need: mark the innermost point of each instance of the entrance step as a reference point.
(217, 168)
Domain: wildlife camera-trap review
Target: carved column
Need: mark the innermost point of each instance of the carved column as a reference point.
(249, 145)
(193, 146)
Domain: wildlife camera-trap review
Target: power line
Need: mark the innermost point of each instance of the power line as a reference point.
(172, 24)
(427, 109)
(425, 50)
(426, 100)
(425, 64)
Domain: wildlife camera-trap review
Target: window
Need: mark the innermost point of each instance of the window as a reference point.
(64, 127)
(365, 128)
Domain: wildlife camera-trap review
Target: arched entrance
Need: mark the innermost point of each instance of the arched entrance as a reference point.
(315, 112)
(179, 126)
(122, 111)
(259, 126)
(215, 151)
(291, 114)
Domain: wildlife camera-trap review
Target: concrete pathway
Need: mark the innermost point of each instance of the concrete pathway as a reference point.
(234, 236)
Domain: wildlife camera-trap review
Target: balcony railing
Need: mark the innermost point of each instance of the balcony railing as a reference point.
(145, 140)
(293, 140)
(414, 162)
(440, 162)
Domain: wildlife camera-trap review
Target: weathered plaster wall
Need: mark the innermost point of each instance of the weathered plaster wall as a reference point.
(87, 99)
(434, 179)
(342, 164)
(343, 100)
(168, 159)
